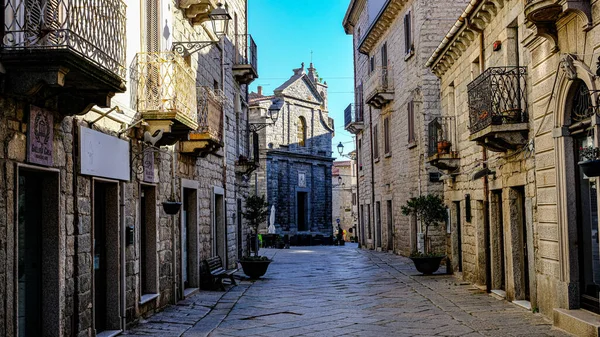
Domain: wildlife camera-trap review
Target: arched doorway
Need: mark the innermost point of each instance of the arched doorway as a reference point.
(582, 131)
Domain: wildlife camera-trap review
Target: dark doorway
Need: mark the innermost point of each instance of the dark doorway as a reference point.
(106, 256)
(390, 226)
(458, 236)
(525, 248)
(30, 254)
(301, 211)
(497, 222)
(240, 244)
(190, 272)
(587, 231)
(38, 264)
(148, 238)
(220, 228)
(378, 223)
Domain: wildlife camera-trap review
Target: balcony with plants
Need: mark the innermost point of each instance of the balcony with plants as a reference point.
(163, 91)
(498, 108)
(208, 138)
(245, 68)
(353, 118)
(380, 87)
(70, 50)
(441, 144)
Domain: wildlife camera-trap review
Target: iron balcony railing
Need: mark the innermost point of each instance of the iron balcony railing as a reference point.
(210, 112)
(441, 135)
(352, 114)
(163, 87)
(498, 96)
(248, 54)
(94, 29)
(381, 80)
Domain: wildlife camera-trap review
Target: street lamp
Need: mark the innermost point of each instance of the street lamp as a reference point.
(340, 148)
(220, 22)
(272, 115)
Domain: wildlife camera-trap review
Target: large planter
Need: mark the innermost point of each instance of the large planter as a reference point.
(427, 265)
(590, 168)
(255, 269)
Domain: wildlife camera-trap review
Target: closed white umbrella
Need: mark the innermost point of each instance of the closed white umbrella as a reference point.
(271, 229)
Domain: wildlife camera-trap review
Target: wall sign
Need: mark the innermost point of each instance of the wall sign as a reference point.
(301, 180)
(148, 166)
(102, 155)
(40, 138)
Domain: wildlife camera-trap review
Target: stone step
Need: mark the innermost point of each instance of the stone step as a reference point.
(578, 322)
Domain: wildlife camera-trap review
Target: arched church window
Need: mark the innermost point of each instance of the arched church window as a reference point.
(301, 131)
(581, 104)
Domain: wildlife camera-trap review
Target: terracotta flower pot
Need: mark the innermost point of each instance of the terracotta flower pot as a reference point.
(443, 147)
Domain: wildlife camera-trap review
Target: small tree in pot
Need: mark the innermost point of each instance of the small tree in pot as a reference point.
(257, 210)
(430, 210)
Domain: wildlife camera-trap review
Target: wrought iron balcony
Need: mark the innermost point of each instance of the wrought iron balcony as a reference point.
(442, 144)
(498, 108)
(245, 69)
(353, 119)
(75, 47)
(380, 87)
(163, 92)
(209, 136)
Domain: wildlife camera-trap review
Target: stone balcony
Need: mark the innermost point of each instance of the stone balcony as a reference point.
(163, 91)
(208, 138)
(245, 68)
(70, 53)
(498, 108)
(197, 11)
(353, 119)
(380, 86)
(543, 14)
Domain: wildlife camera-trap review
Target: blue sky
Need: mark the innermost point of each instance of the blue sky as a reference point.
(286, 31)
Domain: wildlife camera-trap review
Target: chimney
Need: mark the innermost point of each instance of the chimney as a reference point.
(259, 90)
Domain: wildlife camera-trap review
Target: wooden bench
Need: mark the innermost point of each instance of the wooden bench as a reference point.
(214, 266)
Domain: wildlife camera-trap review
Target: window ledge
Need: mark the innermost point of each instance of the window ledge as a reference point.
(412, 144)
(376, 160)
(387, 155)
(148, 297)
(409, 55)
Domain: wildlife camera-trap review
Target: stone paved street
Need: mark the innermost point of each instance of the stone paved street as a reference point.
(344, 291)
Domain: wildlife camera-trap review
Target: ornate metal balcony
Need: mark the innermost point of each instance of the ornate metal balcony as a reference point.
(353, 119)
(441, 146)
(380, 87)
(245, 69)
(209, 136)
(498, 108)
(163, 92)
(71, 50)
(197, 10)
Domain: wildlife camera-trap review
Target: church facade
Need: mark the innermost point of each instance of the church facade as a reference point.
(293, 150)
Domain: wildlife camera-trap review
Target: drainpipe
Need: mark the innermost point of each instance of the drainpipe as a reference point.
(224, 158)
(123, 269)
(173, 231)
(372, 174)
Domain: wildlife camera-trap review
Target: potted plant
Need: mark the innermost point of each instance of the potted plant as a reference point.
(589, 161)
(430, 210)
(443, 147)
(256, 213)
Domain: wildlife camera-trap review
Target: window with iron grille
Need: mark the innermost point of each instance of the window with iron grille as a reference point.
(372, 64)
(411, 121)
(408, 42)
(386, 135)
(376, 141)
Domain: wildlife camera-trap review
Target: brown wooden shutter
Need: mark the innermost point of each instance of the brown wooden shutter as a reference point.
(375, 142)
(386, 135)
(411, 122)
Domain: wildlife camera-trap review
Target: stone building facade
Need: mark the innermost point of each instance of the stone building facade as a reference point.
(519, 79)
(396, 98)
(85, 172)
(294, 155)
(343, 180)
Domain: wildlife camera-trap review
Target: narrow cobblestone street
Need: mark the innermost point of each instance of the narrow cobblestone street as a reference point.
(344, 291)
